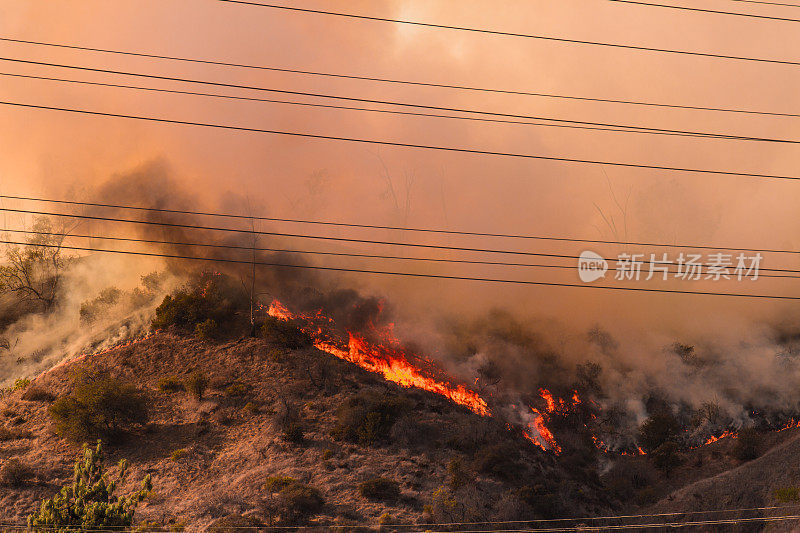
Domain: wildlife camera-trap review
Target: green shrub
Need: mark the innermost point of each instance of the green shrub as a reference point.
(278, 483)
(380, 489)
(367, 418)
(196, 384)
(89, 502)
(99, 407)
(208, 296)
(15, 473)
(748, 445)
(251, 408)
(206, 330)
(236, 390)
(658, 429)
(786, 494)
(178, 454)
(19, 384)
(284, 333)
(170, 384)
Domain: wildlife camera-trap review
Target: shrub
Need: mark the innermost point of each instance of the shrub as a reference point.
(37, 394)
(170, 384)
(206, 330)
(99, 407)
(458, 474)
(278, 483)
(284, 333)
(666, 457)
(747, 445)
(196, 383)
(786, 494)
(658, 429)
(298, 501)
(498, 460)
(251, 408)
(15, 473)
(178, 454)
(91, 310)
(367, 418)
(236, 390)
(19, 384)
(293, 432)
(89, 502)
(208, 296)
(380, 489)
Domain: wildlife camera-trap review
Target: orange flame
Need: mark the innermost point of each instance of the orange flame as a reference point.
(392, 363)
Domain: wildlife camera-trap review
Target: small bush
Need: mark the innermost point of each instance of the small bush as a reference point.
(206, 330)
(178, 454)
(236, 390)
(367, 418)
(99, 407)
(278, 483)
(385, 519)
(658, 429)
(497, 460)
(748, 445)
(299, 501)
(666, 457)
(293, 432)
(284, 333)
(170, 384)
(251, 408)
(15, 473)
(380, 489)
(37, 394)
(196, 384)
(19, 384)
(786, 494)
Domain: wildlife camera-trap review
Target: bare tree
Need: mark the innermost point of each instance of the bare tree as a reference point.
(33, 272)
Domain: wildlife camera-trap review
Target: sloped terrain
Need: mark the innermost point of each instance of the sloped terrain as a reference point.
(211, 458)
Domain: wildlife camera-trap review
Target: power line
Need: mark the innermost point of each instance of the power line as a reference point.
(399, 81)
(406, 274)
(369, 256)
(401, 144)
(697, 9)
(512, 34)
(532, 520)
(350, 108)
(767, 3)
(629, 128)
(372, 226)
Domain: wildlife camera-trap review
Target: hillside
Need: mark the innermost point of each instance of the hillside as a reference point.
(235, 440)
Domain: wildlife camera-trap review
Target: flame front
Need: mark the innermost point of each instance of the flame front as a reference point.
(390, 361)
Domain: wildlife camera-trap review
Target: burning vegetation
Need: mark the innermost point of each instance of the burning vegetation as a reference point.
(510, 404)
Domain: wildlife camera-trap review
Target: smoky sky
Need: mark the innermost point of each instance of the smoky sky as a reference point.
(62, 155)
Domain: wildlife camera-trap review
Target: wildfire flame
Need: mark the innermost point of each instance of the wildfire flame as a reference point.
(391, 362)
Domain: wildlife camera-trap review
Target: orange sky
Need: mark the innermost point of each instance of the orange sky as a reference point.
(59, 155)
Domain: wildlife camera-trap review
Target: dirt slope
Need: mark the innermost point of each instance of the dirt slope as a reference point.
(232, 441)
